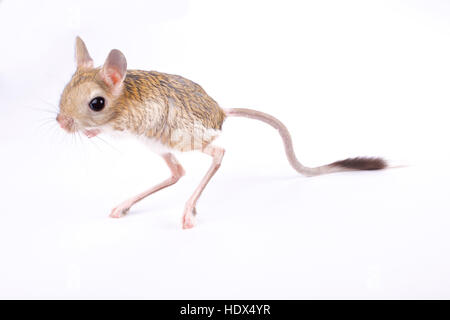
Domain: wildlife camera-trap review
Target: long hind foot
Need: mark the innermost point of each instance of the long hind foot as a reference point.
(188, 217)
(120, 210)
(189, 211)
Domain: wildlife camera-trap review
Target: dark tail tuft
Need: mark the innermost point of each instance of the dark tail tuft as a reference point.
(361, 163)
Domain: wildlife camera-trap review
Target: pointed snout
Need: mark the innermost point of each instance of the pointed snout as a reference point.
(65, 122)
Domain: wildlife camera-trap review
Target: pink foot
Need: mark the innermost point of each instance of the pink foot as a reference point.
(120, 210)
(188, 218)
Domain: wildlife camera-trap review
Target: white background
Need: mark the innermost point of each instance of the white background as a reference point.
(349, 78)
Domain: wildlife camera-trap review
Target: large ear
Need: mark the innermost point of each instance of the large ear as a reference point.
(84, 60)
(114, 70)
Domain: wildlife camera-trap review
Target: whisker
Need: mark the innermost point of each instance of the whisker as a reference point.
(49, 103)
(78, 138)
(45, 123)
(108, 144)
(63, 138)
(46, 119)
(40, 109)
(54, 131)
(93, 142)
(48, 122)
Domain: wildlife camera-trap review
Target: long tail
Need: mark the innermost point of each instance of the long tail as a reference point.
(360, 163)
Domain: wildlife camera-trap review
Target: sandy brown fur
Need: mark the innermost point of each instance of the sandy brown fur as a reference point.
(169, 108)
(185, 107)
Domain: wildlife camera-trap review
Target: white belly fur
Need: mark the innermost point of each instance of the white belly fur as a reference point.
(156, 145)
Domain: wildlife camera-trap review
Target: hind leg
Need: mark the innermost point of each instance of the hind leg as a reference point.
(177, 172)
(189, 211)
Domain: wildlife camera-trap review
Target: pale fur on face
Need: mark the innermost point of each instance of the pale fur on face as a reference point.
(88, 83)
(75, 101)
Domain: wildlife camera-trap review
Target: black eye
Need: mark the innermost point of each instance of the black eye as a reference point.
(97, 104)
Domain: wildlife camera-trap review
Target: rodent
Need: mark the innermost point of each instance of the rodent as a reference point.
(165, 110)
